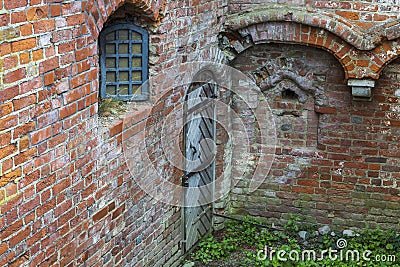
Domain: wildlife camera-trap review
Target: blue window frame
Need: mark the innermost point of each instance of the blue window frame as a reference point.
(124, 62)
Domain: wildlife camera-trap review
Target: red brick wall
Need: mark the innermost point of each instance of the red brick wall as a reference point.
(67, 196)
(364, 14)
(336, 164)
(362, 47)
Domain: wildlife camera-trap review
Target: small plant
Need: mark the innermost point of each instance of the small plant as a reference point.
(244, 233)
(292, 225)
(210, 249)
(247, 239)
(111, 107)
(396, 242)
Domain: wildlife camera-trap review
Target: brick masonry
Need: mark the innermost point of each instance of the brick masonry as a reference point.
(335, 164)
(362, 48)
(67, 196)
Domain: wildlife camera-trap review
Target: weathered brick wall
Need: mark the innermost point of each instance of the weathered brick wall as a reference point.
(336, 163)
(67, 196)
(363, 13)
(362, 48)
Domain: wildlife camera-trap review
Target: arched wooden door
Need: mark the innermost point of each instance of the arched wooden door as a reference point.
(200, 154)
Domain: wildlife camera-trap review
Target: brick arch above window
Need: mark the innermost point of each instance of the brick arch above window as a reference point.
(97, 14)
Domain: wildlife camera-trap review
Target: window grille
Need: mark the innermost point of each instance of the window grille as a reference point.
(124, 62)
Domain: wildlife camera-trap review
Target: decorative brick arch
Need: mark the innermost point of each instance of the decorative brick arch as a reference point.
(361, 38)
(362, 53)
(288, 32)
(97, 14)
(385, 53)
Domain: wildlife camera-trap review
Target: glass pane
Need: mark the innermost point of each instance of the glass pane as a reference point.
(110, 62)
(136, 75)
(124, 76)
(123, 89)
(111, 77)
(136, 48)
(123, 48)
(136, 36)
(110, 48)
(123, 35)
(136, 62)
(110, 36)
(136, 89)
(123, 62)
(110, 89)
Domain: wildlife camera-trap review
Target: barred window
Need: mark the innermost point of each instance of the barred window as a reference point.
(124, 62)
